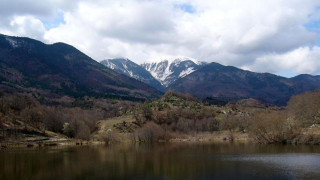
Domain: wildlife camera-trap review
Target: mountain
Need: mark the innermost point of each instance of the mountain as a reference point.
(131, 69)
(30, 65)
(168, 71)
(227, 82)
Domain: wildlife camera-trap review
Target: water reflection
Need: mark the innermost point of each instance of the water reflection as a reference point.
(169, 161)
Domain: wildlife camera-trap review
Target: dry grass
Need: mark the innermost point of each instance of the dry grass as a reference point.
(105, 127)
(217, 136)
(312, 130)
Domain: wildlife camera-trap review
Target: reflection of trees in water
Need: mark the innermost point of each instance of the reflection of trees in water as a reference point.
(162, 161)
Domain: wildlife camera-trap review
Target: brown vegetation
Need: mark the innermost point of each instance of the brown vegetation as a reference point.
(152, 132)
(178, 112)
(290, 125)
(110, 137)
(175, 114)
(305, 108)
(273, 127)
(21, 113)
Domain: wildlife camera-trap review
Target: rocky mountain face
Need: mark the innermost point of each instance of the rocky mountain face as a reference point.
(131, 69)
(227, 82)
(30, 65)
(168, 71)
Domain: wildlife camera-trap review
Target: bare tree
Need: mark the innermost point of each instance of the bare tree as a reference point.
(305, 108)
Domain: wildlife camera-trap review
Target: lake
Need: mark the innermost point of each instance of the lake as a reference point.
(166, 161)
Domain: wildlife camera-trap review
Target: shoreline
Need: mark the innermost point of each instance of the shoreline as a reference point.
(124, 138)
(221, 137)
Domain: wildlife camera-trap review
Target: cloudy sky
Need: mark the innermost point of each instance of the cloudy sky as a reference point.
(277, 36)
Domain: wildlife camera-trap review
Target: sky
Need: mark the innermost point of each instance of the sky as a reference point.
(275, 36)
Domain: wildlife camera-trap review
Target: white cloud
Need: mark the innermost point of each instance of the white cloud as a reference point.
(27, 26)
(301, 60)
(253, 34)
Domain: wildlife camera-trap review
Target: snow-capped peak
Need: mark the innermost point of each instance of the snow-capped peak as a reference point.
(131, 69)
(172, 59)
(169, 69)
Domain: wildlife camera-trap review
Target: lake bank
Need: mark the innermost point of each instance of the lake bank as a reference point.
(126, 138)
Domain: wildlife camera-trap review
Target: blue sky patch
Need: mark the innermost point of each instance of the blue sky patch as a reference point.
(186, 7)
(286, 73)
(52, 23)
(314, 26)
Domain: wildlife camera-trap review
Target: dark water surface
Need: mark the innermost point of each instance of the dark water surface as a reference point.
(169, 161)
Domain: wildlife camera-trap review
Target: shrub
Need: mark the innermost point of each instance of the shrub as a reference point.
(68, 130)
(230, 122)
(54, 119)
(83, 131)
(151, 132)
(110, 137)
(273, 127)
(305, 108)
(34, 117)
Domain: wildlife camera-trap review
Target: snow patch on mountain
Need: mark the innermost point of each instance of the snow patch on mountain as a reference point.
(186, 72)
(176, 59)
(12, 42)
(121, 65)
(110, 65)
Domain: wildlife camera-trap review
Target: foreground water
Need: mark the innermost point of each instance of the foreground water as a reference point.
(169, 161)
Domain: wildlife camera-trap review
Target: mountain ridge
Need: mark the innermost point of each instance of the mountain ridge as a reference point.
(216, 80)
(28, 64)
(59, 68)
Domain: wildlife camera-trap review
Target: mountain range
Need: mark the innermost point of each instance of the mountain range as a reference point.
(28, 65)
(213, 80)
(51, 70)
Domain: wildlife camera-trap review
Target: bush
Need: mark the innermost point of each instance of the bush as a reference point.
(34, 117)
(54, 119)
(110, 137)
(273, 127)
(305, 108)
(83, 131)
(151, 132)
(68, 130)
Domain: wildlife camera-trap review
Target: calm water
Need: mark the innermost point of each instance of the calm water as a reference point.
(170, 161)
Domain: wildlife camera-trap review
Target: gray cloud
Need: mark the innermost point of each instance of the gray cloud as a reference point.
(26, 7)
(251, 34)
